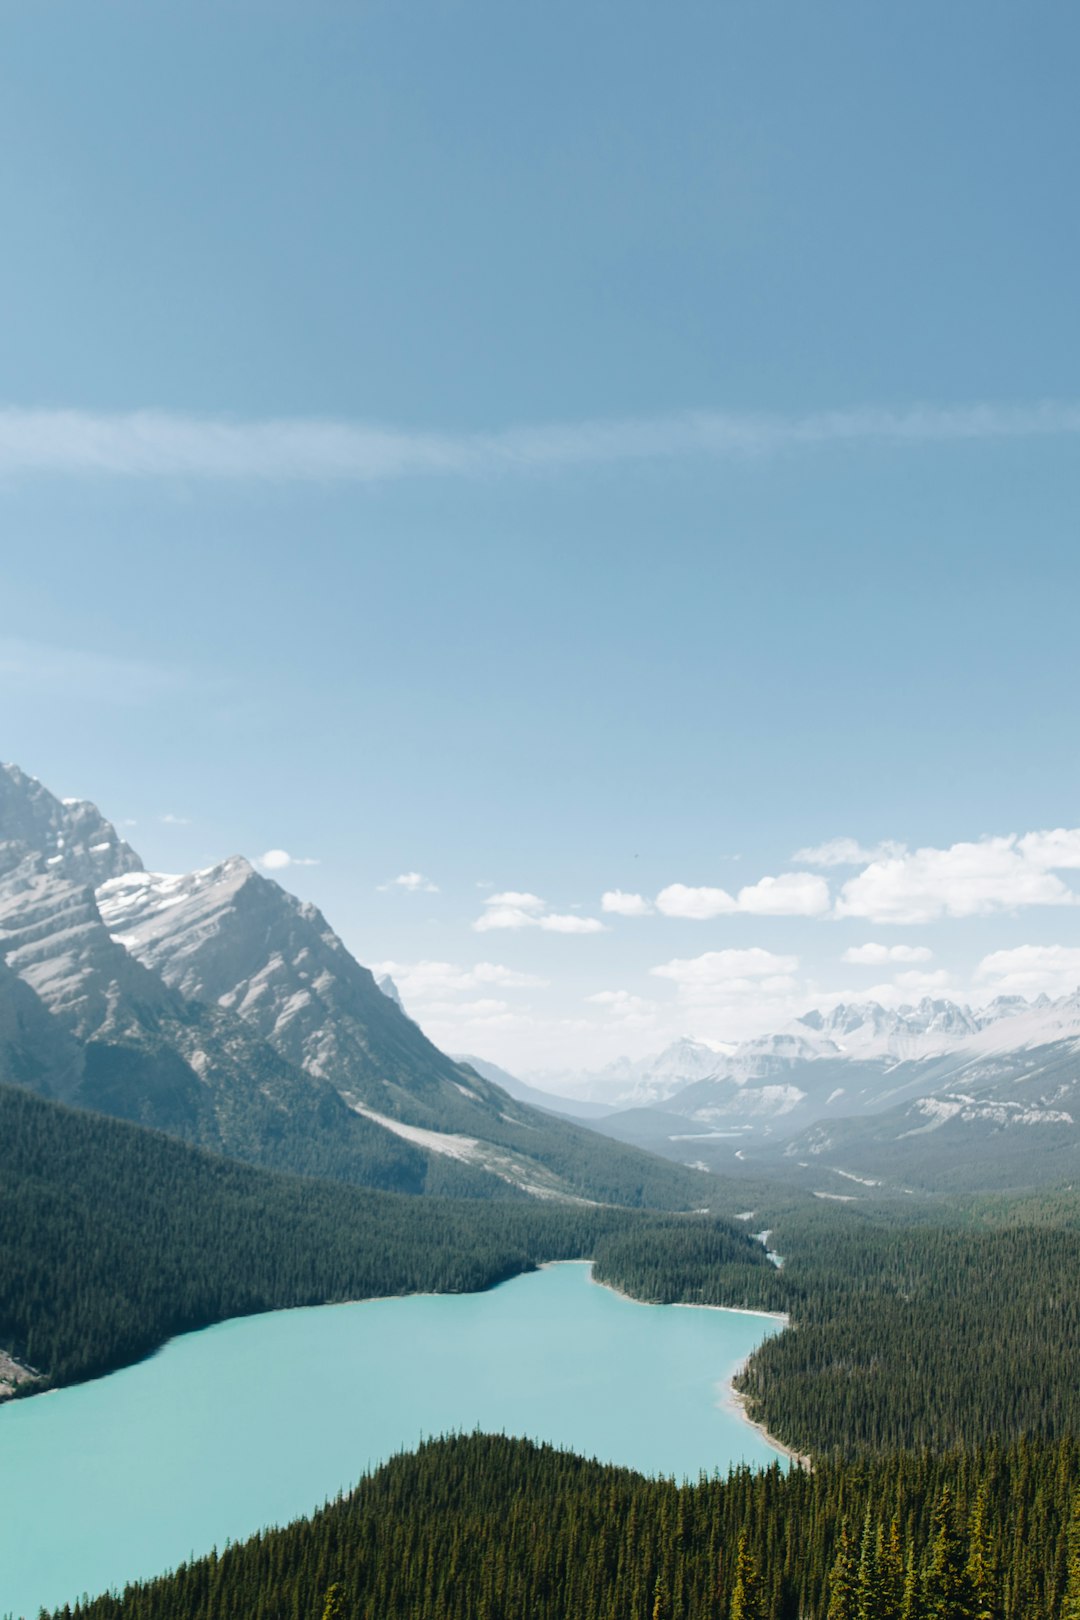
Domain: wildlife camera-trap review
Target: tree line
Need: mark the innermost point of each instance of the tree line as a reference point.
(486, 1528)
(116, 1238)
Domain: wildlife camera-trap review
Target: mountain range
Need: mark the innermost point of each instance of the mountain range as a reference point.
(218, 1007)
(915, 1092)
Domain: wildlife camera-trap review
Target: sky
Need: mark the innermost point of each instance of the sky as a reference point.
(588, 495)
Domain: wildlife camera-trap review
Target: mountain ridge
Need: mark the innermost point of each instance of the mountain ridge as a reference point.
(218, 1007)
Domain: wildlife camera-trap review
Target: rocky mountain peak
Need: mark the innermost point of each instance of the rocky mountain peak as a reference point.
(69, 837)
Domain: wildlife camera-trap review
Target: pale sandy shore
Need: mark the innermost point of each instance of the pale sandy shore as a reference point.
(733, 1399)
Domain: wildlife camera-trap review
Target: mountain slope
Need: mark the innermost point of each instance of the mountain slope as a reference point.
(1001, 1121)
(229, 1013)
(234, 939)
(572, 1107)
(182, 1238)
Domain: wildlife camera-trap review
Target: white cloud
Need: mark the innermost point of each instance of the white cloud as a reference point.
(156, 444)
(627, 1011)
(680, 900)
(170, 820)
(870, 955)
(1049, 850)
(792, 894)
(845, 852)
(1032, 970)
(424, 983)
(504, 917)
(915, 984)
(622, 904)
(900, 991)
(722, 967)
(617, 998)
(513, 908)
(964, 880)
(276, 860)
(560, 923)
(411, 882)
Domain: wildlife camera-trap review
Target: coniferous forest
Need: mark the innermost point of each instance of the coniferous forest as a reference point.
(929, 1369)
(485, 1528)
(116, 1237)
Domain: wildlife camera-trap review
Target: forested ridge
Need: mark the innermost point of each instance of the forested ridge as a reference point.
(924, 1335)
(930, 1369)
(486, 1528)
(116, 1237)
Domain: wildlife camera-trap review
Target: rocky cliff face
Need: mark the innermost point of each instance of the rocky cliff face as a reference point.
(230, 937)
(216, 1006)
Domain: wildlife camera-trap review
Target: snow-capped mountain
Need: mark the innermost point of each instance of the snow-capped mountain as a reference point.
(235, 939)
(219, 1007)
(632, 1083)
(847, 1060)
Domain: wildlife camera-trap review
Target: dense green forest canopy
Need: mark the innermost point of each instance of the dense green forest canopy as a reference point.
(930, 1368)
(486, 1528)
(912, 1325)
(116, 1237)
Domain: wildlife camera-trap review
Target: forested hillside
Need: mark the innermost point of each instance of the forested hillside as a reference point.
(116, 1237)
(484, 1528)
(912, 1325)
(927, 1335)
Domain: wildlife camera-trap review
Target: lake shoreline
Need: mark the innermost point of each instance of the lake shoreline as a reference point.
(733, 1400)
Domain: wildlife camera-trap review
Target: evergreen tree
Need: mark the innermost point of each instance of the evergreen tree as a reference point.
(948, 1587)
(980, 1563)
(747, 1602)
(891, 1566)
(912, 1606)
(334, 1605)
(844, 1580)
(1070, 1607)
(869, 1600)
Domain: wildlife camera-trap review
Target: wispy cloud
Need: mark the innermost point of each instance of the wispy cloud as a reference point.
(278, 860)
(792, 894)
(75, 675)
(871, 955)
(160, 444)
(846, 852)
(426, 981)
(622, 904)
(411, 882)
(971, 879)
(514, 908)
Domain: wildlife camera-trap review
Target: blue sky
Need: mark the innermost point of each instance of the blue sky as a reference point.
(559, 451)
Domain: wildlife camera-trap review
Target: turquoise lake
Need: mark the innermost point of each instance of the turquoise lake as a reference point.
(259, 1420)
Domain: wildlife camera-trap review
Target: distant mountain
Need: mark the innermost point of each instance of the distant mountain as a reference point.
(914, 1091)
(389, 988)
(1000, 1110)
(573, 1107)
(216, 1006)
(629, 1083)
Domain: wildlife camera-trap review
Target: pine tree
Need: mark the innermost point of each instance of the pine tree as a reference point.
(746, 1598)
(891, 1576)
(911, 1603)
(334, 1605)
(844, 1580)
(981, 1574)
(1070, 1607)
(869, 1603)
(948, 1588)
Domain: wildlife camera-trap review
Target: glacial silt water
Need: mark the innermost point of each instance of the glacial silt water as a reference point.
(261, 1419)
